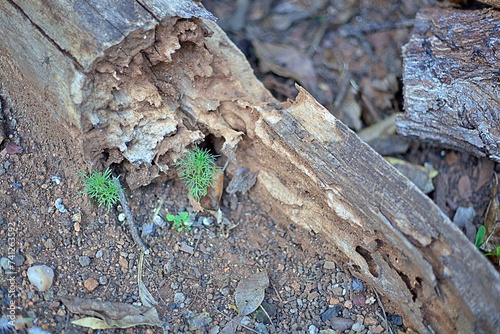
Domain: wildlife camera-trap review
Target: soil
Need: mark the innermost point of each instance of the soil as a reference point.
(94, 256)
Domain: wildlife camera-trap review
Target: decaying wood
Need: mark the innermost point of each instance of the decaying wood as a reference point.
(450, 77)
(144, 99)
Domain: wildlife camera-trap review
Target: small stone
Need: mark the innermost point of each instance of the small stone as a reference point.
(197, 320)
(340, 324)
(179, 298)
(18, 260)
(158, 221)
(348, 304)
(357, 285)
(376, 329)
(56, 179)
(261, 328)
(49, 244)
(103, 280)
(245, 321)
(41, 277)
(371, 300)
(90, 284)
(329, 265)
(77, 217)
(123, 262)
(397, 320)
(358, 327)
(312, 330)
(122, 217)
(84, 260)
(331, 312)
(76, 226)
(359, 300)
(60, 206)
(5, 264)
(98, 254)
(370, 321)
(327, 331)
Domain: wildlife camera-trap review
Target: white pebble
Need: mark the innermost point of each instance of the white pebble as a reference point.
(122, 217)
(41, 277)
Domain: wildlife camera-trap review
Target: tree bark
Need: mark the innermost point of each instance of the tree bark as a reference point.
(450, 77)
(166, 84)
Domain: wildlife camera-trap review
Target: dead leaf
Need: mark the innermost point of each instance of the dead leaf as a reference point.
(250, 292)
(287, 61)
(111, 314)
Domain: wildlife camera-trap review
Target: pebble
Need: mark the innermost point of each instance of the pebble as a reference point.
(357, 285)
(359, 300)
(331, 312)
(397, 320)
(90, 284)
(158, 221)
(59, 206)
(49, 244)
(261, 328)
(122, 217)
(84, 260)
(358, 327)
(348, 304)
(327, 331)
(56, 179)
(341, 324)
(329, 265)
(98, 254)
(5, 264)
(18, 260)
(197, 320)
(376, 329)
(103, 280)
(312, 330)
(41, 277)
(179, 298)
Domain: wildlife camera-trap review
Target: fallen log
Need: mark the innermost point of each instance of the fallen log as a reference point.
(450, 80)
(141, 99)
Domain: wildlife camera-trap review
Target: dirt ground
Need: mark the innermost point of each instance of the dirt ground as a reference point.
(354, 47)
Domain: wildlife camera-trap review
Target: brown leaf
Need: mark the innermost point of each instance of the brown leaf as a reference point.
(250, 292)
(114, 315)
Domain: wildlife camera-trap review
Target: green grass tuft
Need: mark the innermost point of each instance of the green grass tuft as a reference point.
(197, 170)
(102, 187)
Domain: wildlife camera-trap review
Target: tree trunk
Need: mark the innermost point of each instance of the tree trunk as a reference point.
(450, 77)
(141, 97)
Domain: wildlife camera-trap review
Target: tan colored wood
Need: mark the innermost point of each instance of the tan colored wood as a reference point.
(450, 77)
(145, 99)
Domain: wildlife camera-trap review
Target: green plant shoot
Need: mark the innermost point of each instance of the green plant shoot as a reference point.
(179, 221)
(480, 236)
(197, 170)
(102, 187)
(494, 252)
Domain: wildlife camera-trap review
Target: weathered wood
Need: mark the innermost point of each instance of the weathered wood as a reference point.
(450, 77)
(186, 80)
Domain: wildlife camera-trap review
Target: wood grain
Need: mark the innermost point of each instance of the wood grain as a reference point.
(450, 77)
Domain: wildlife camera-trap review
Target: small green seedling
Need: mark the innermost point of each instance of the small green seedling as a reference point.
(180, 221)
(197, 170)
(481, 231)
(102, 187)
(494, 252)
